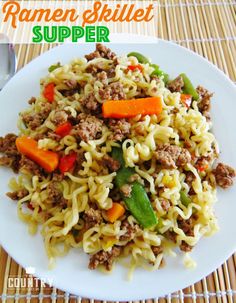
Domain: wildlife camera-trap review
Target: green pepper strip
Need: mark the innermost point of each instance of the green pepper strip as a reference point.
(159, 73)
(189, 88)
(138, 203)
(184, 198)
(143, 60)
(53, 67)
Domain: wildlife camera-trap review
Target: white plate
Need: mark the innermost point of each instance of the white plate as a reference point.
(71, 273)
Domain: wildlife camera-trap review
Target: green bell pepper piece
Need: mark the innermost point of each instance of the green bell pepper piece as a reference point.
(141, 58)
(138, 203)
(189, 88)
(53, 67)
(158, 72)
(184, 198)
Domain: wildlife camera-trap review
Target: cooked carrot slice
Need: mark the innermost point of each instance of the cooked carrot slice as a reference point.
(131, 108)
(45, 158)
(115, 212)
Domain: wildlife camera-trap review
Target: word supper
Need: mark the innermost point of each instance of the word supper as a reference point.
(51, 34)
(100, 12)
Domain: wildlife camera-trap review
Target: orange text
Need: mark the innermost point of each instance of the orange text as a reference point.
(14, 13)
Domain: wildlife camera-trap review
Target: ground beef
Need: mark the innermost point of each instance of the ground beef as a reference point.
(176, 85)
(39, 136)
(140, 130)
(34, 120)
(26, 165)
(105, 52)
(187, 144)
(90, 104)
(7, 161)
(53, 136)
(111, 72)
(171, 235)
(69, 92)
(57, 177)
(105, 258)
(130, 231)
(184, 157)
(189, 180)
(32, 100)
(99, 67)
(202, 162)
(102, 77)
(18, 194)
(93, 55)
(120, 129)
(49, 134)
(141, 93)
(72, 83)
(46, 108)
(7, 144)
(205, 96)
(115, 195)
(11, 156)
(55, 196)
(186, 225)
(185, 247)
(157, 250)
(60, 117)
(165, 204)
(82, 83)
(112, 164)
(72, 120)
(204, 103)
(92, 217)
(73, 88)
(224, 175)
(79, 160)
(101, 52)
(96, 68)
(113, 91)
(88, 128)
(126, 190)
(172, 156)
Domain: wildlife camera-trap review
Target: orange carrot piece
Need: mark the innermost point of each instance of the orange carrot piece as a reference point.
(131, 108)
(115, 212)
(45, 158)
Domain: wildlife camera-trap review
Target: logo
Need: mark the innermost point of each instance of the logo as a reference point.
(29, 281)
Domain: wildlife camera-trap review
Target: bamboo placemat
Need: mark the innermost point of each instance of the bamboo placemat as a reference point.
(208, 28)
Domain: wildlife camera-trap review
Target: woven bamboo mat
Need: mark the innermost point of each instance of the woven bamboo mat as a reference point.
(208, 28)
